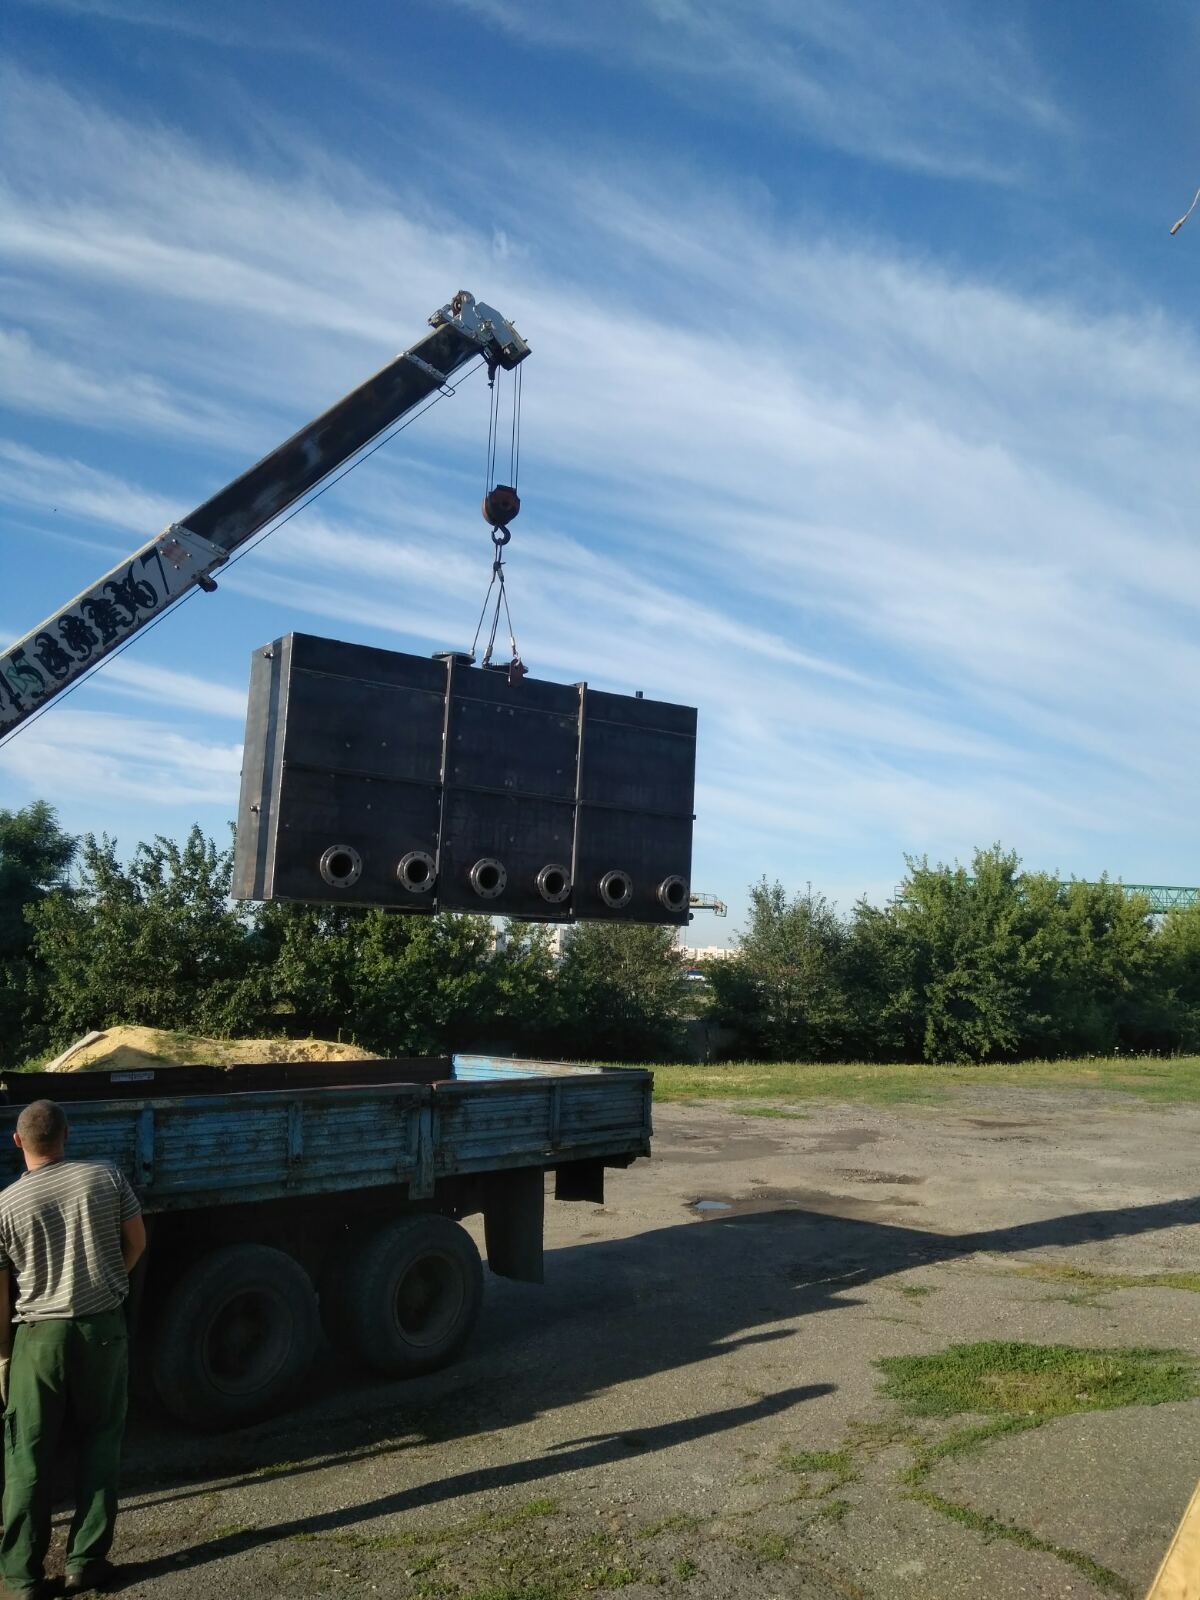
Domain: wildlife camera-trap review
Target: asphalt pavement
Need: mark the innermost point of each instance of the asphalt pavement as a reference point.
(691, 1404)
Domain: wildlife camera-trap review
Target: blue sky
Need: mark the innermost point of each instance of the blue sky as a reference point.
(862, 412)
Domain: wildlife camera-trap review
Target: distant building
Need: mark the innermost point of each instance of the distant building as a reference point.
(694, 954)
(556, 932)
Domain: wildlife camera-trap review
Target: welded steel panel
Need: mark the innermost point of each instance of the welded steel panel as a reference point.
(638, 760)
(357, 760)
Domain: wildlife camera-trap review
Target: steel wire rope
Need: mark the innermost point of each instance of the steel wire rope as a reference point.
(489, 462)
(514, 457)
(500, 535)
(364, 453)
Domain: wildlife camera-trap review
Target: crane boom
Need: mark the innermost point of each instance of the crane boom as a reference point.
(141, 587)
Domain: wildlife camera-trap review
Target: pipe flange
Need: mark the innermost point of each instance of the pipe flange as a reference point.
(488, 877)
(554, 883)
(673, 895)
(616, 889)
(341, 866)
(417, 871)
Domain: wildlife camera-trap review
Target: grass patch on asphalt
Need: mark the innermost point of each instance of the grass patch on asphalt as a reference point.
(1087, 1284)
(763, 1547)
(998, 1377)
(1019, 1387)
(837, 1466)
(1151, 1079)
(833, 1510)
(457, 1533)
(681, 1522)
(993, 1528)
(508, 1555)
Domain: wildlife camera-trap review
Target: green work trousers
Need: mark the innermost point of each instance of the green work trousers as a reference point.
(68, 1370)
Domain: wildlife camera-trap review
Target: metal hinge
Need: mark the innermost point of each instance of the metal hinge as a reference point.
(430, 371)
(191, 554)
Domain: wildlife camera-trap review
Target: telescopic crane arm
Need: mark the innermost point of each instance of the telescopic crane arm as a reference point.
(184, 556)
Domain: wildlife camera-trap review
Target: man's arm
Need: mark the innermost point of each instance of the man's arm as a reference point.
(133, 1241)
(5, 1330)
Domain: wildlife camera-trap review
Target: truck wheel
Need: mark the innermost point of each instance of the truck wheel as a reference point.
(412, 1292)
(237, 1334)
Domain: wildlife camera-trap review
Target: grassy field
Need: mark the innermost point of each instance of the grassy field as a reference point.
(775, 1083)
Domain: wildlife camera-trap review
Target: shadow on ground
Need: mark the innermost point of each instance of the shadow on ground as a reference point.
(612, 1312)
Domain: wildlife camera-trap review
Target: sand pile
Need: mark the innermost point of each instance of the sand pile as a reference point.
(118, 1049)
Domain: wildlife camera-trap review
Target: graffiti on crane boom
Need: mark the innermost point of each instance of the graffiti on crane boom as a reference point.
(71, 643)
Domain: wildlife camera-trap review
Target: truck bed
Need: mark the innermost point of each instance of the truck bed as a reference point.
(327, 1130)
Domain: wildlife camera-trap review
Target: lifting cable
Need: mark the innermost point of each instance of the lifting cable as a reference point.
(501, 503)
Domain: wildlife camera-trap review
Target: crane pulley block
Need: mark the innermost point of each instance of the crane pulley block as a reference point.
(501, 505)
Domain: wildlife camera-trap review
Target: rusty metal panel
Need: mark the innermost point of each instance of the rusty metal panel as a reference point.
(188, 1152)
(184, 1153)
(372, 777)
(497, 1115)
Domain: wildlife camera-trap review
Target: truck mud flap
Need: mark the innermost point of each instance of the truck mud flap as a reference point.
(580, 1180)
(513, 1215)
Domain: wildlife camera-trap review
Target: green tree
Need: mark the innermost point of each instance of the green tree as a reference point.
(35, 858)
(155, 942)
(1178, 967)
(885, 1004)
(1090, 961)
(300, 975)
(619, 993)
(964, 933)
(426, 985)
(783, 992)
(397, 984)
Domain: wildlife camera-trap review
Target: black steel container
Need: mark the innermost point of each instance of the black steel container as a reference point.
(376, 778)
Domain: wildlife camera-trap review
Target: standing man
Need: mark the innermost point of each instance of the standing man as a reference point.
(70, 1234)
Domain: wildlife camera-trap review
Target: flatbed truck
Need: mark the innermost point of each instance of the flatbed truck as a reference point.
(287, 1204)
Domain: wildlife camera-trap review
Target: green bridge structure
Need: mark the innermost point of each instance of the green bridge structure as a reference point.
(1163, 897)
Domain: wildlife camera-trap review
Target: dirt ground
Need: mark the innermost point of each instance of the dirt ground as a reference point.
(691, 1404)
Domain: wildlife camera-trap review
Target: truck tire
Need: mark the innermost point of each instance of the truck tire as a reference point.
(237, 1334)
(412, 1294)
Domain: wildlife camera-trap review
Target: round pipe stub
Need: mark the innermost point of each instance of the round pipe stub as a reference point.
(417, 871)
(554, 883)
(341, 866)
(673, 895)
(488, 877)
(616, 890)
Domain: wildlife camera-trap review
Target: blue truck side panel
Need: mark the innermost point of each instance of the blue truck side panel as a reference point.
(188, 1152)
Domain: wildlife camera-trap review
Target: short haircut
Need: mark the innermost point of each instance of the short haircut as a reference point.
(42, 1126)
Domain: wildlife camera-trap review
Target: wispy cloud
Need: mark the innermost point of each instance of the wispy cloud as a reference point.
(171, 690)
(940, 95)
(120, 761)
(916, 540)
(52, 485)
(216, 23)
(34, 380)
